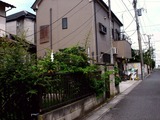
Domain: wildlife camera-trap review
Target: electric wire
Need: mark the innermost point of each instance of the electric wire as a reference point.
(127, 9)
(129, 24)
(59, 18)
(123, 11)
(67, 42)
(72, 31)
(133, 33)
(54, 22)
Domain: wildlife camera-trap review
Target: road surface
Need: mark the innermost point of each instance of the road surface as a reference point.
(142, 103)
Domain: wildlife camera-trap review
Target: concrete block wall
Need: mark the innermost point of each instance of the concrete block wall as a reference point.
(113, 90)
(72, 111)
(79, 108)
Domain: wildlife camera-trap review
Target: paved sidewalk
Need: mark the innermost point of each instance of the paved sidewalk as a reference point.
(124, 85)
(125, 88)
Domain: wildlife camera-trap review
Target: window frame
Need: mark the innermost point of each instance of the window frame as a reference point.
(65, 23)
(102, 29)
(44, 34)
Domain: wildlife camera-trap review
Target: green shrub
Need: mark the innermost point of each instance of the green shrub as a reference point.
(117, 77)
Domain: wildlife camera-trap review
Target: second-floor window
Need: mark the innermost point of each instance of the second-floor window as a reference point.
(64, 23)
(117, 35)
(44, 34)
(113, 33)
(102, 29)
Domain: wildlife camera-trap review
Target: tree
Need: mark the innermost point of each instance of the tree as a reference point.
(17, 77)
(135, 56)
(148, 57)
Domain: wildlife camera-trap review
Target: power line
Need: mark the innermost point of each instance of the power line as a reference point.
(133, 33)
(142, 33)
(130, 14)
(152, 1)
(59, 18)
(53, 22)
(77, 34)
(130, 1)
(127, 9)
(130, 30)
(4, 31)
(151, 22)
(73, 30)
(129, 24)
(123, 11)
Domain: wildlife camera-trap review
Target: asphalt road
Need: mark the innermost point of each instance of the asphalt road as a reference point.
(142, 103)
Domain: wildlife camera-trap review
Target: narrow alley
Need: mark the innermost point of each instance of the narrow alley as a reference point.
(142, 103)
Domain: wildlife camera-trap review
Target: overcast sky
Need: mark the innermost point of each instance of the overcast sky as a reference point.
(149, 21)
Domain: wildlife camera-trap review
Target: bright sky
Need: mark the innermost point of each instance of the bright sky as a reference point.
(20, 5)
(149, 21)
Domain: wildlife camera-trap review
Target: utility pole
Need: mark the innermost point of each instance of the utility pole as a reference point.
(51, 29)
(110, 32)
(149, 43)
(139, 38)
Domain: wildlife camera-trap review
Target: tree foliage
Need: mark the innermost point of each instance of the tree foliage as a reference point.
(72, 59)
(135, 56)
(16, 64)
(17, 77)
(147, 57)
(18, 68)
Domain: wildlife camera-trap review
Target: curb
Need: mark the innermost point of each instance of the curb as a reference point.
(98, 113)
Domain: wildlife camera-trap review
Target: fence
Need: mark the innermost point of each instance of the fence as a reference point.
(62, 89)
(14, 103)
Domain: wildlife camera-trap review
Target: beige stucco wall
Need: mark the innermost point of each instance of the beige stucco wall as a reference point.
(81, 26)
(80, 22)
(2, 21)
(103, 41)
(20, 27)
(11, 27)
(24, 27)
(2, 26)
(29, 27)
(123, 48)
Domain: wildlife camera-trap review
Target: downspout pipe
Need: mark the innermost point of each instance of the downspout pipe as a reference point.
(95, 19)
(51, 29)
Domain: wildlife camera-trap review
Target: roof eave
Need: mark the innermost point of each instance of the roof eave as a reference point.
(119, 22)
(20, 15)
(34, 6)
(7, 4)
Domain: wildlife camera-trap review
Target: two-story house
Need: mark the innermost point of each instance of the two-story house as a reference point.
(62, 24)
(22, 24)
(4, 7)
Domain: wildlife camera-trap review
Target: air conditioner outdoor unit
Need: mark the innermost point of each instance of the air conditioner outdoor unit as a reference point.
(114, 50)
